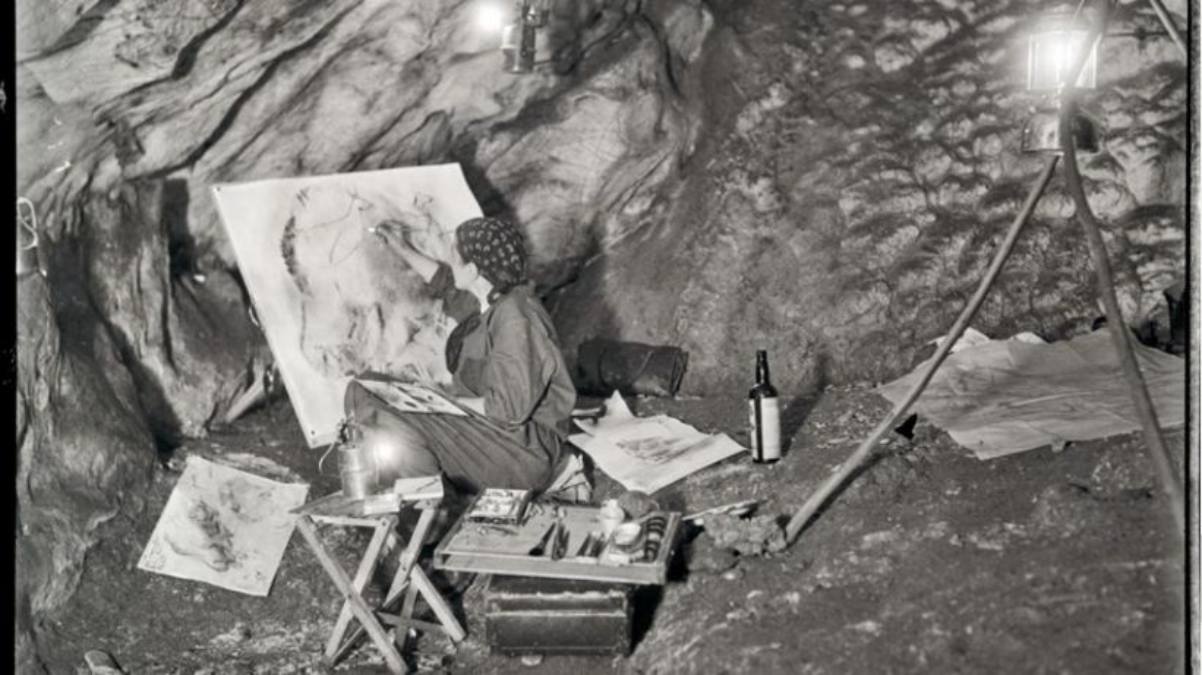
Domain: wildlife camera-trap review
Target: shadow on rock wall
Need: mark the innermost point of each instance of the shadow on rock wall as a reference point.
(853, 173)
(84, 448)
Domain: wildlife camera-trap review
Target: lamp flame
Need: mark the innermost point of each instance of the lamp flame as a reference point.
(491, 17)
(1053, 50)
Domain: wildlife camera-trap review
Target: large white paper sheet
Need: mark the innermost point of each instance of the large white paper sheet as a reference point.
(334, 300)
(224, 527)
(650, 453)
(1003, 397)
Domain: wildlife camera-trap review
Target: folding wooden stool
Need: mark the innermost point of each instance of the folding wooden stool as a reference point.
(379, 512)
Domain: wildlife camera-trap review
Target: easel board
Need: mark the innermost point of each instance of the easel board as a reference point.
(504, 549)
(331, 295)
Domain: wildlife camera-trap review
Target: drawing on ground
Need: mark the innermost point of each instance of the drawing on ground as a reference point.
(223, 526)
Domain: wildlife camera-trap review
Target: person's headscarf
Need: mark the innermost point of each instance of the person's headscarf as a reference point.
(498, 250)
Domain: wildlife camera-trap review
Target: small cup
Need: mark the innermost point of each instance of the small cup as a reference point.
(612, 515)
(627, 534)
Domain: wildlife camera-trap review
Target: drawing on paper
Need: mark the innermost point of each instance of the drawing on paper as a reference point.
(224, 527)
(650, 453)
(333, 297)
(657, 449)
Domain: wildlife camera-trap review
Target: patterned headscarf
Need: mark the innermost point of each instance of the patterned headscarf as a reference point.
(497, 248)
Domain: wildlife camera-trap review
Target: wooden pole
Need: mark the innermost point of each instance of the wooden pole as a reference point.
(1114, 319)
(864, 452)
(1170, 27)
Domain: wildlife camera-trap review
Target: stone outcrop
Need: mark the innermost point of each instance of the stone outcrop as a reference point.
(84, 448)
(856, 168)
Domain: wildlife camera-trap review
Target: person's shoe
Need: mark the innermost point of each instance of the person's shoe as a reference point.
(571, 484)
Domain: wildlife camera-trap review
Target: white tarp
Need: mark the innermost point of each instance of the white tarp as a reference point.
(334, 300)
(224, 527)
(1007, 396)
(649, 453)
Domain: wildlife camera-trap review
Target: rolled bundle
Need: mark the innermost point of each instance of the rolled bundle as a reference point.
(629, 367)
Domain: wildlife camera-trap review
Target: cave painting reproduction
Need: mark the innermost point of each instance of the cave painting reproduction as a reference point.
(332, 297)
(224, 527)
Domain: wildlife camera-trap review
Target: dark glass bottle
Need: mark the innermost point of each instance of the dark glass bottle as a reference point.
(764, 411)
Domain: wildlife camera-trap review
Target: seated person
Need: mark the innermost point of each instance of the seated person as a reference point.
(506, 356)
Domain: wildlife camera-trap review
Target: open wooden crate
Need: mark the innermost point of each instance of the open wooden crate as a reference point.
(491, 548)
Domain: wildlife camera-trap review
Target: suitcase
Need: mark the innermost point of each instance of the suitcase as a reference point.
(557, 616)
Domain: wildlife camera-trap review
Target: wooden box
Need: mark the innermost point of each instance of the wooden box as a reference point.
(557, 616)
(487, 548)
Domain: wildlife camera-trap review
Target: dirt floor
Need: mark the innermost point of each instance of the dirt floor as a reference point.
(932, 561)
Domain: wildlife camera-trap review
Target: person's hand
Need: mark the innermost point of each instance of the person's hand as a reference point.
(395, 233)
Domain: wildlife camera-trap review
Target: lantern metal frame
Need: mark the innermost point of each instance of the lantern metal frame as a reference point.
(1051, 51)
(519, 39)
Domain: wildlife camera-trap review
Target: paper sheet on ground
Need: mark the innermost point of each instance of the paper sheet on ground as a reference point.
(649, 453)
(224, 527)
(1008, 396)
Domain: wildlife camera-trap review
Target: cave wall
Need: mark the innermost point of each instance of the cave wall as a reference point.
(859, 162)
(130, 111)
(823, 180)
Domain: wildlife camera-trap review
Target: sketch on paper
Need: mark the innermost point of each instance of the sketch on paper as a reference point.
(653, 452)
(333, 298)
(223, 527)
(656, 449)
(415, 398)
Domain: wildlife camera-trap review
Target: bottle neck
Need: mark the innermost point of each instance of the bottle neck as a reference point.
(761, 367)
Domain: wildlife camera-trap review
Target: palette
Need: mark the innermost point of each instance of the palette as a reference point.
(503, 507)
(493, 548)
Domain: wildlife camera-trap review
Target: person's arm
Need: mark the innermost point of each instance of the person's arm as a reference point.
(517, 373)
(392, 233)
(458, 304)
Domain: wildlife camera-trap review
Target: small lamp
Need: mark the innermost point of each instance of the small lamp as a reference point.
(1051, 51)
(519, 38)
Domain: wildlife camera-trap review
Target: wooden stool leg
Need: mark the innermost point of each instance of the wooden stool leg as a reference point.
(371, 558)
(407, 614)
(406, 571)
(410, 555)
(358, 607)
(441, 609)
(420, 582)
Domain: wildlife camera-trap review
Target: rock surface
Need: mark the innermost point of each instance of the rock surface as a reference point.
(84, 448)
(974, 564)
(826, 182)
(853, 173)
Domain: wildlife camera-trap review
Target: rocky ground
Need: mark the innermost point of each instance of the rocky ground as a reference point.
(931, 561)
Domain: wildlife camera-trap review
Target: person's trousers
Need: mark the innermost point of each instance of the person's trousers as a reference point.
(470, 452)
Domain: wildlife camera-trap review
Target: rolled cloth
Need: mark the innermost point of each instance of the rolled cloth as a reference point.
(629, 367)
